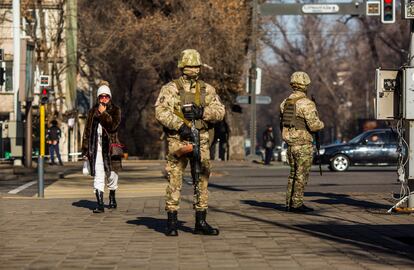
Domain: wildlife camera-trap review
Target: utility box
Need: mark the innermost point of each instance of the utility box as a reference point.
(386, 85)
(408, 93)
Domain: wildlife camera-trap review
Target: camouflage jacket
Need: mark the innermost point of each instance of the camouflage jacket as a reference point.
(169, 101)
(306, 109)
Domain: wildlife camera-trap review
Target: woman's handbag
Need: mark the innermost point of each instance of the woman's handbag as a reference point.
(86, 170)
(117, 150)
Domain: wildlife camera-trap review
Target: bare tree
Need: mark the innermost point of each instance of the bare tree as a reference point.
(48, 40)
(340, 57)
(135, 46)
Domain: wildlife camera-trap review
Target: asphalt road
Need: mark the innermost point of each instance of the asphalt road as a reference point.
(243, 176)
(261, 178)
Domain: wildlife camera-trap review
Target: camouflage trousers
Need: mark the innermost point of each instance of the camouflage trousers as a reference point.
(300, 161)
(175, 169)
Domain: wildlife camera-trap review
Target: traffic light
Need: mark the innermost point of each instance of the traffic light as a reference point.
(2, 76)
(388, 11)
(44, 95)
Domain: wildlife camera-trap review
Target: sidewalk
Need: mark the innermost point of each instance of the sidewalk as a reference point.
(350, 231)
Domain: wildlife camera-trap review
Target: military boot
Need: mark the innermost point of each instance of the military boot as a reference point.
(201, 226)
(112, 201)
(172, 224)
(99, 198)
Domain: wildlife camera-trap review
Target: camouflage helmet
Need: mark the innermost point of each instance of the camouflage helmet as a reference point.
(300, 77)
(189, 58)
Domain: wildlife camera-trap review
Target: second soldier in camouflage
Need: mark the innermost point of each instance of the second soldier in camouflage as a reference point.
(299, 118)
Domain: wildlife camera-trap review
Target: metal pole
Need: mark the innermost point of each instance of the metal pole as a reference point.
(29, 142)
(40, 165)
(40, 184)
(409, 131)
(16, 58)
(252, 81)
(71, 49)
(69, 142)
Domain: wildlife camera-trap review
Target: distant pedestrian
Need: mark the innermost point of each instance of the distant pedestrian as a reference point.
(269, 143)
(99, 139)
(53, 135)
(299, 118)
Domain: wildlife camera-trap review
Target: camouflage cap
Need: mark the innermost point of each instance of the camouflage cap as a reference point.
(300, 77)
(189, 58)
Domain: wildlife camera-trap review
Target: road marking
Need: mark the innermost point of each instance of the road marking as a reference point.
(17, 190)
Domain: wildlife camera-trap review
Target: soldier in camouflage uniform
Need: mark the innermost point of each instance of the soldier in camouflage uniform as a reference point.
(188, 89)
(299, 118)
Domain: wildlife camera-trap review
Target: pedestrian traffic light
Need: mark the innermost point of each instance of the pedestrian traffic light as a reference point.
(388, 11)
(2, 76)
(44, 95)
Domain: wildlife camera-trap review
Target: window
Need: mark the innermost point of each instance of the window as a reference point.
(376, 138)
(9, 76)
(393, 137)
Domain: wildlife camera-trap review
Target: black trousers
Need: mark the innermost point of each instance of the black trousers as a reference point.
(268, 155)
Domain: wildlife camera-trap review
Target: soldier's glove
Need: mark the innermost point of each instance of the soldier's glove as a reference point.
(198, 112)
(185, 132)
(192, 112)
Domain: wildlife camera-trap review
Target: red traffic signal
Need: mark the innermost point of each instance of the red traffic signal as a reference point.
(388, 11)
(44, 95)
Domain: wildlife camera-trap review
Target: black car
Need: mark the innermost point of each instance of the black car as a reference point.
(376, 147)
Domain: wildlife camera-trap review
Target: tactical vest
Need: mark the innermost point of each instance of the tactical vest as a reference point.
(289, 117)
(198, 98)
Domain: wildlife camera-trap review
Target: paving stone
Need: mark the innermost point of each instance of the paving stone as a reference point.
(340, 236)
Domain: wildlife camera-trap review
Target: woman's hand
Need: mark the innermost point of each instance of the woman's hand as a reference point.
(102, 107)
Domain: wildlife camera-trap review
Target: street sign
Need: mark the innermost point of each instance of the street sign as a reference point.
(352, 8)
(259, 100)
(320, 8)
(44, 80)
(373, 8)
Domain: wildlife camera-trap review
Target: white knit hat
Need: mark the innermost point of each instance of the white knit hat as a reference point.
(103, 89)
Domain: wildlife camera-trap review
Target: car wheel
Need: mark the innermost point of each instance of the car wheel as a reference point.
(340, 163)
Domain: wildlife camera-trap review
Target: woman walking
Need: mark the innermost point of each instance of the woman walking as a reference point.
(99, 137)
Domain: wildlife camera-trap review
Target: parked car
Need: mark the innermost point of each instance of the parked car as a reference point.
(376, 147)
(283, 155)
(280, 152)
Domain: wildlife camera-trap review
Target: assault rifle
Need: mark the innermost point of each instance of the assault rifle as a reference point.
(195, 161)
(318, 143)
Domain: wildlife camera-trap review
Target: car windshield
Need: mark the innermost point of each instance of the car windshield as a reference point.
(357, 138)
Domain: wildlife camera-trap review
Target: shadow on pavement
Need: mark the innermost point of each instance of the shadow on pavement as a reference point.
(223, 187)
(270, 205)
(157, 224)
(383, 239)
(336, 198)
(85, 204)
(282, 207)
(396, 239)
